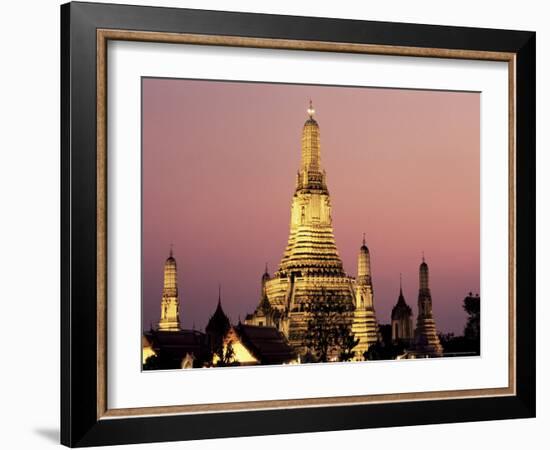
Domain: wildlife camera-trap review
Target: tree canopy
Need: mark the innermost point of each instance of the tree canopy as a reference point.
(329, 330)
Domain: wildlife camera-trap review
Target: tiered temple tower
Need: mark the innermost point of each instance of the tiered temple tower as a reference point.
(364, 326)
(311, 269)
(426, 339)
(169, 305)
(401, 320)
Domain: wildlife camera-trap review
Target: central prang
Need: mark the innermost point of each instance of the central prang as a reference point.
(311, 280)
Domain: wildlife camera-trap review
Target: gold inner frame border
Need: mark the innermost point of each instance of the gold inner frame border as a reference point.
(105, 35)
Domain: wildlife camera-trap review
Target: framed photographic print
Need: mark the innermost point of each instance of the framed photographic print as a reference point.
(276, 224)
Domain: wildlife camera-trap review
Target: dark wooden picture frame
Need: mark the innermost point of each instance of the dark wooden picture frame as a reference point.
(85, 30)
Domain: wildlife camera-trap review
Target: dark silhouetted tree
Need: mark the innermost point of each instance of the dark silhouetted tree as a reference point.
(226, 355)
(347, 344)
(327, 332)
(162, 361)
(468, 343)
(385, 348)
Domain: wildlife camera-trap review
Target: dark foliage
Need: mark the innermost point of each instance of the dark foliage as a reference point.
(472, 307)
(458, 345)
(469, 343)
(326, 332)
(226, 356)
(162, 361)
(384, 350)
(385, 334)
(348, 343)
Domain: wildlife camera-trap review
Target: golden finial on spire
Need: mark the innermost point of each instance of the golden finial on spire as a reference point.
(310, 110)
(171, 250)
(364, 239)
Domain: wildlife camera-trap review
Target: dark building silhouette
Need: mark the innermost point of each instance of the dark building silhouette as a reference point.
(175, 349)
(401, 320)
(217, 327)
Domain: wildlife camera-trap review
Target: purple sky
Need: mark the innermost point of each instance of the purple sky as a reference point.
(219, 168)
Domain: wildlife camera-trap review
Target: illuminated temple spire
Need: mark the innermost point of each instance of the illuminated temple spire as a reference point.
(364, 326)
(311, 275)
(311, 146)
(426, 339)
(363, 264)
(310, 271)
(311, 247)
(169, 306)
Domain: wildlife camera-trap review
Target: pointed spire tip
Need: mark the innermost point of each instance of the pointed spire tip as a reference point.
(310, 110)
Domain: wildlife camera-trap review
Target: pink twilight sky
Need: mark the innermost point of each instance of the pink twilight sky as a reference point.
(219, 168)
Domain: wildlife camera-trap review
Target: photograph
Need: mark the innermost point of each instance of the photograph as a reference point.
(289, 224)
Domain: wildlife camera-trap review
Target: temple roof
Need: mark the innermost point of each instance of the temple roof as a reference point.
(145, 342)
(218, 322)
(267, 344)
(401, 308)
(177, 343)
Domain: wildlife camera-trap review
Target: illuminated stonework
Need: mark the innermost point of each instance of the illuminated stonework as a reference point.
(311, 269)
(264, 315)
(364, 326)
(309, 280)
(426, 339)
(169, 305)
